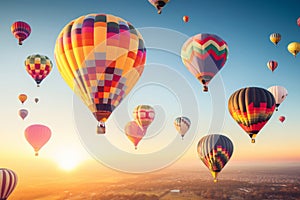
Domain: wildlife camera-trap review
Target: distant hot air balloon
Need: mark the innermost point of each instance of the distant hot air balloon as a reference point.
(204, 55)
(36, 100)
(21, 30)
(182, 125)
(279, 93)
(215, 151)
(134, 132)
(298, 21)
(37, 135)
(185, 18)
(38, 67)
(144, 115)
(251, 108)
(275, 38)
(294, 48)
(159, 4)
(100, 57)
(272, 65)
(282, 118)
(8, 182)
(22, 98)
(23, 113)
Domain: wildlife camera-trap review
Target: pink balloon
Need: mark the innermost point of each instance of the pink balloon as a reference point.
(282, 118)
(37, 135)
(134, 132)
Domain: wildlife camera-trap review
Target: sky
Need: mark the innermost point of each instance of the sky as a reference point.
(166, 84)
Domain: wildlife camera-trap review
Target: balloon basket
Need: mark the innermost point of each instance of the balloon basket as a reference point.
(252, 140)
(205, 89)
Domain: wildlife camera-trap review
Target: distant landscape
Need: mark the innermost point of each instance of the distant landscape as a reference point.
(173, 183)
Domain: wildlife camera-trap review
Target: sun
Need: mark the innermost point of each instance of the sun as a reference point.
(68, 164)
(68, 160)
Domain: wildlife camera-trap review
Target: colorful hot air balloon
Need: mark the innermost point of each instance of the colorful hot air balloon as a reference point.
(23, 113)
(294, 48)
(38, 67)
(204, 55)
(182, 125)
(144, 115)
(37, 135)
(279, 93)
(8, 182)
(36, 100)
(185, 18)
(159, 4)
(100, 57)
(134, 132)
(21, 30)
(298, 21)
(22, 98)
(275, 38)
(215, 151)
(251, 108)
(272, 65)
(281, 119)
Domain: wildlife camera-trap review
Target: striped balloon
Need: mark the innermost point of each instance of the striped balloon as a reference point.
(279, 93)
(21, 30)
(23, 113)
(275, 38)
(251, 108)
(215, 151)
(272, 65)
(182, 125)
(204, 55)
(144, 115)
(8, 182)
(38, 67)
(134, 132)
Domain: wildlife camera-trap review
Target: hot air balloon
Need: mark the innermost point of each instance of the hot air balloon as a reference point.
(251, 108)
(215, 151)
(294, 48)
(279, 93)
(8, 182)
(23, 113)
(36, 100)
(159, 4)
(182, 125)
(272, 65)
(298, 21)
(275, 38)
(134, 133)
(185, 18)
(37, 135)
(38, 67)
(100, 57)
(281, 118)
(204, 55)
(22, 98)
(144, 115)
(21, 30)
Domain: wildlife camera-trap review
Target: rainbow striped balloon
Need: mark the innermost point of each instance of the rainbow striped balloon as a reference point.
(204, 55)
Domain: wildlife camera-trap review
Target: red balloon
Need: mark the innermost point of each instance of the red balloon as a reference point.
(298, 21)
(21, 30)
(282, 118)
(185, 18)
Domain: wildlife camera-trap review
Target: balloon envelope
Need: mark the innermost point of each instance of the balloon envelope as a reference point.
(21, 30)
(298, 21)
(251, 108)
(159, 4)
(8, 182)
(144, 115)
(294, 48)
(272, 65)
(36, 100)
(37, 135)
(182, 125)
(204, 55)
(275, 38)
(279, 93)
(215, 151)
(23, 113)
(282, 118)
(100, 57)
(185, 18)
(22, 98)
(134, 132)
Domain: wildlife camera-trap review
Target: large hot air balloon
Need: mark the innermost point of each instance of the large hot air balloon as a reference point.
(281, 119)
(182, 125)
(294, 48)
(215, 151)
(22, 98)
(272, 65)
(8, 182)
(134, 132)
(38, 67)
(251, 108)
(21, 30)
(204, 55)
(37, 135)
(100, 57)
(23, 113)
(144, 115)
(279, 93)
(298, 21)
(275, 38)
(159, 4)
(185, 18)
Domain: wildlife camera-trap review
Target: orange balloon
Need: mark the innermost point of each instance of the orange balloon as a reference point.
(22, 98)
(185, 18)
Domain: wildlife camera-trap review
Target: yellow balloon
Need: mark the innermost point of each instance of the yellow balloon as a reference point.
(294, 48)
